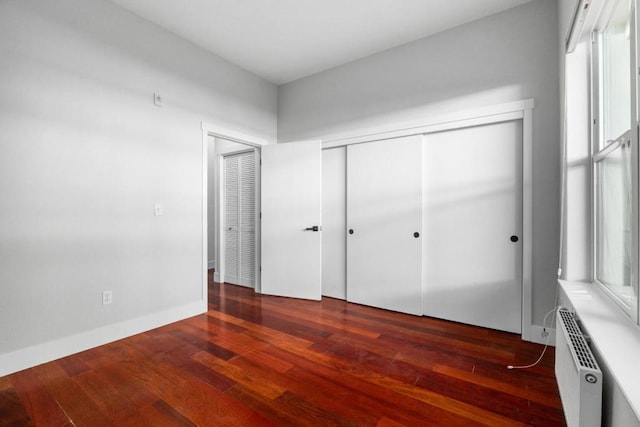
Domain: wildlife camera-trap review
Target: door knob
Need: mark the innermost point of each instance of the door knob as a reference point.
(514, 238)
(416, 234)
(351, 231)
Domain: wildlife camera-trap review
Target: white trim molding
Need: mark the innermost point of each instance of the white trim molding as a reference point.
(217, 277)
(517, 110)
(492, 114)
(527, 224)
(232, 134)
(42, 353)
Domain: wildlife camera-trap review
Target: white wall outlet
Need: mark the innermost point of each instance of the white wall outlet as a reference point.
(157, 99)
(107, 297)
(159, 209)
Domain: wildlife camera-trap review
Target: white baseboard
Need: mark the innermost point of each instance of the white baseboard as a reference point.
(217, 277)
(46, 352)
(212, 264)
(539, 336)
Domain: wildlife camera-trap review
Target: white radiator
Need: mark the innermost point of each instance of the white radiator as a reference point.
(577, 373)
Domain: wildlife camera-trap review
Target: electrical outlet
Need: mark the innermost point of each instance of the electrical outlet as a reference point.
(107, 297)
(544, 333)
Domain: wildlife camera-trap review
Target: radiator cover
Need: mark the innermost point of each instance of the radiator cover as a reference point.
(577, 373)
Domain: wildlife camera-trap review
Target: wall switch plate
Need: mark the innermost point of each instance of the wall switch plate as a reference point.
(158, 209)
(107, 297)
(157, 99)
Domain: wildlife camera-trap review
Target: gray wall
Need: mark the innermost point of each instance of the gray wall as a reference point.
(505, 57)
(85, 155)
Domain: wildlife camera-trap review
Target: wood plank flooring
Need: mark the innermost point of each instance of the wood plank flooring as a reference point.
(267, 361)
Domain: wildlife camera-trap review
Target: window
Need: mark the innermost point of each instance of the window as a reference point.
(615, 161)
(615, 74)
(613, 220)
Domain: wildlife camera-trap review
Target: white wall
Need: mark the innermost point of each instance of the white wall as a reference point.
(502, 58)
(85, 155)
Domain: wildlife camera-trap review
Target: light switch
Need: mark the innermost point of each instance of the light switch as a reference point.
(159, 209)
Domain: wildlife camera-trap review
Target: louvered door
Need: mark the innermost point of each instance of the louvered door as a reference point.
(239, 263)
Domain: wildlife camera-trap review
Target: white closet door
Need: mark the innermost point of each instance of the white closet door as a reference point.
(384, 221)
(473, 211)
(231, 214)
(247, 222)
(291, 208)
(239, 218)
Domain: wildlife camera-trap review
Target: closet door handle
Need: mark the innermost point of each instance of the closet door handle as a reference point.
(351, 231)
(314, 228)
(514, 238)
(416, 234)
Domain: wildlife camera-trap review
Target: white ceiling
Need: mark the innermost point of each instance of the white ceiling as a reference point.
(284, 40)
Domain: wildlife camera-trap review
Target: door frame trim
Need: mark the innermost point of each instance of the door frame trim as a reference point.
(518, 110)
(210, 129)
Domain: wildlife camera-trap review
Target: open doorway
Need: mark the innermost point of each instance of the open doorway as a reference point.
(287, 219)
(232, 220)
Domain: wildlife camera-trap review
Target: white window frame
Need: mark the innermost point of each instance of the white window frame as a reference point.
(609, 147)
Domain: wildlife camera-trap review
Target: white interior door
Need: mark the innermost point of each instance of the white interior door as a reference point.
(291, 219)
(384, 221)
(473, 224)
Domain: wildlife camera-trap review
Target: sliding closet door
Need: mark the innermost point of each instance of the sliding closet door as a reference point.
(240, 219)
(384, 222)
(473, 225)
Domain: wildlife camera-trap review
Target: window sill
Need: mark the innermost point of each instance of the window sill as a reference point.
(613, 334)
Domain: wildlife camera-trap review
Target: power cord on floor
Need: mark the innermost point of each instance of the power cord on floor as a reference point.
(544, 331)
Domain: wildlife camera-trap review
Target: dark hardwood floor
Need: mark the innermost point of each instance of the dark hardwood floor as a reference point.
(266, 361)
